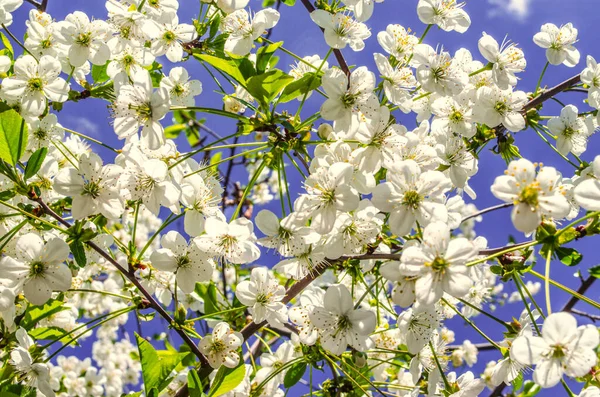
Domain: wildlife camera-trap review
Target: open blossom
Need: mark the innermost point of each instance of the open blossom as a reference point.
(171, 37)
(93, 187)
(563, 348)
(33, 82)
(507, 60)
(411, 196)
(35, 374)
(235, 242)
(339, 324)
(534, 196)
(397, 41)
(182, 90)
(243, 29)
(571, 131)
(86, 40)
(221, 347)
(189, 263)
(397, 82)
(438, 72)
(341, 30)
(263, 295)
(447, 14)
(417, 325)
(494, 106)
(38, 268)
(138, 105)
(288, 236)
(558, 43)
(439, 262)
(328, 191)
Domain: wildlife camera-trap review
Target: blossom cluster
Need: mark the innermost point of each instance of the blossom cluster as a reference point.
(369, 258)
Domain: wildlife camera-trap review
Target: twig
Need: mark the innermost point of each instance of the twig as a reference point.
(486, 210)
(131, 277)
(592, 317)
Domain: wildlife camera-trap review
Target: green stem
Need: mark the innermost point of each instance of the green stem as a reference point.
(12, 36)
(251, 184)
(96, 291)
(468, 321)
(547, 282)
(567, 290)
(539, 83)
(496, 319)
(258, 149)
(215, 314)
(517, 281)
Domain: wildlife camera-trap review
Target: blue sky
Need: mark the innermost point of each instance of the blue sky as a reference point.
(519, 19)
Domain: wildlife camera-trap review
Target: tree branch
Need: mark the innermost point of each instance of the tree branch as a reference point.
(544, 96)
(133, 279)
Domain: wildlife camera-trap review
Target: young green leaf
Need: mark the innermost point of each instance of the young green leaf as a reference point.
(35, 162)
(227, 379)
(264, 54)
(265, 87)
(195, 384)
(13, 136)
(308, 82)
(295, 373)
(156, 365)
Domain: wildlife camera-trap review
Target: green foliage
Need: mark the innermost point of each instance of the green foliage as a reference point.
(99, 73)
(265, 87)
(35, 314)
(300, 87)
(195, 384)
(264, 56)
(78, 235)
(294, 374)
(568, 256)
(13, 135)
(227, 379)
(595, 271)
(208, 293)
(35, 162)
(48, 333)
(156, 365)
(237, 70)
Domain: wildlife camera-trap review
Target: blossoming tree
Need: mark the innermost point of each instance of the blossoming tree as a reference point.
(157, 248)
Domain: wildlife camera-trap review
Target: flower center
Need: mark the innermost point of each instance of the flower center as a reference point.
(36, 269)
(92, 189)
(84, 39)
(501, 107)
(182, 262)
(412, 199)
(456, 116)
(169, 36)
(35, 84)
(529, 195)
(438, 265)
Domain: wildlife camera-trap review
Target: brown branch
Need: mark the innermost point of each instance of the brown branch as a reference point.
(592, 317)
(133, 279)
(338, 54)
(544, 96)
(35, 4)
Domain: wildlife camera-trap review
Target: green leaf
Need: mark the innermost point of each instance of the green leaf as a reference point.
(208, 293)
(308, 82)
(595, 271)
(35, 162)
(295, 373)
(214, 25)
(264, 54)
(35, 314)
(13, 136)
(195, 384)
(99, 73)
(225, 66)
(568, 256)
(78, 252)
(47, 333)
(289, 2)
(172, 131)
(156, 365)
(265, 87)
(227, 379)
(7, 45)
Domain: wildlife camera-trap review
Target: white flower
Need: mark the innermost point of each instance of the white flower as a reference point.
(466, 384)
(328, 191)
(43, 131)
(507, 60)
(181, 89)
(202, 197)
(339, 324)
(130, 59)
(459, 162)
(148, 180)
(312, 296)
(32, 83)
(341, 30)
(447, 14)
(563, 348)
(453, 116)
(587, 192)
(570, 130)
(590, 391)
(287, 236)
(494, 106)
(263, 295)
(243, 30)
(138, 105)
(234, 242)
(417, 325)
(86, 40)
(534, 196)
(591, 76)
(38, 268)
(190, 263)
(396, 41)
(439, 72)
(558, 43)
(411, 196)
(171, 36)
(349, 96)
(93, 187)
(221, 347)
(35, 374)
(6, 7)
(397, 82)
(440, 264)
(363, 9)
(229, 6)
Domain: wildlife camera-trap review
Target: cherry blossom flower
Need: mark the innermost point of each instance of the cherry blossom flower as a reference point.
(558, 43)
(221, 347)
(263, 295)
